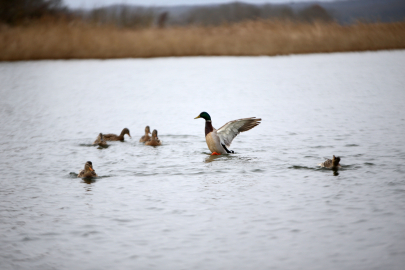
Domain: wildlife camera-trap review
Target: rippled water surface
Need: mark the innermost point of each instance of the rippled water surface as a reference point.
(269, 206)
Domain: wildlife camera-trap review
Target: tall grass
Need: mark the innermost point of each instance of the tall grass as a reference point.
(78, 40)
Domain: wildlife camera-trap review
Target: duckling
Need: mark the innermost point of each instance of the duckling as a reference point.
(219, 139)
(88, 171)
(145, 137)
(100, 140)
(154, 141)
(113, 137)
(331, 163)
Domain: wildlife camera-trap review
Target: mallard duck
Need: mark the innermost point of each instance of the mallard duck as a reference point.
(100, 140)
(219, 140)
(145, 137)
(88, 171)
(113, 137)
(154, 141)
(331, 163)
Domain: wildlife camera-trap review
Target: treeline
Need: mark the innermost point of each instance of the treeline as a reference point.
(238, 12)
(14, 12)
(234, 29)
(122, 16)
(138, 17)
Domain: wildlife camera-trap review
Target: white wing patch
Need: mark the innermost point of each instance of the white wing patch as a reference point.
(230, 130)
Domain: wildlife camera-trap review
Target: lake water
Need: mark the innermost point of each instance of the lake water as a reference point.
(268, 206)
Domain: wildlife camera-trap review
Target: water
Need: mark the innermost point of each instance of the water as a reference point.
(269, 206)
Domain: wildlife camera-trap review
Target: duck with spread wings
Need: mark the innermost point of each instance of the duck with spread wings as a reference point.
(219, 140)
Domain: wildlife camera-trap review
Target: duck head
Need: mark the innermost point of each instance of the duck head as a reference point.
(335, 160)
(88, 167)
(125, 131)
(204, 115)
(147, 130)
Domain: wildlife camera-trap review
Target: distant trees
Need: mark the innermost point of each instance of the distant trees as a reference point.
(120, 15)
(162, 19)
(126, 16)
(314, 13)
(16, 11)
(237, 12)
(226, 13)
(277, 12)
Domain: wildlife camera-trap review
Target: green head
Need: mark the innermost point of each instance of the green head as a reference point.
(204, 115)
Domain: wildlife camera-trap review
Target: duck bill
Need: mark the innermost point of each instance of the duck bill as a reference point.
(197, 117)
(91, 169)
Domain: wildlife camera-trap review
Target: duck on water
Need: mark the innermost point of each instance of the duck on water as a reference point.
(88, 171)
(154, 141)
(100, 140)
(145, 137)
(331, 163)
(113, 137)
(219, 140)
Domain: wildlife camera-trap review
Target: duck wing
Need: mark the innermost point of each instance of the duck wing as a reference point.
(327, 163)
(98, 140)
(230, 130)
(111, 137)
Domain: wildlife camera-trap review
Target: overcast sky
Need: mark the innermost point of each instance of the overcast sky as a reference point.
(99, 3)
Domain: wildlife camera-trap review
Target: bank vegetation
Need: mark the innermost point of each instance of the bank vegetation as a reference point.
(53, 33)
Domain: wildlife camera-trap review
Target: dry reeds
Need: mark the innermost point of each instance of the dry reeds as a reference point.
(78, 40)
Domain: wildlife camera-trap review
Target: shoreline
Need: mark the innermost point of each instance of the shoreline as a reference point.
(77, 40)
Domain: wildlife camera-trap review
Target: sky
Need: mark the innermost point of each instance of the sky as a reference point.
(99, 3)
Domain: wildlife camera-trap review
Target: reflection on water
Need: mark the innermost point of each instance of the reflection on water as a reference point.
(89, 180)
(212, 158)
(316, 168)
(95, 145)
(176, 206)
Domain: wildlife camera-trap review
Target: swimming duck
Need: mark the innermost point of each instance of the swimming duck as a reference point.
(100, 140)
(113, 137)
(88, 171)
(331, 163)
(145, 137)
(219, 140)
(154, 141)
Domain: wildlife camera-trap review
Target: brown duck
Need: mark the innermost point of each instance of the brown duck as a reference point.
(145, 137)
(331, 163)
(100, 140)
(113, 137)
(154, 141)
(88, 171)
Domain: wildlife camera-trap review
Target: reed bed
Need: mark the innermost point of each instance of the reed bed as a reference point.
(79, 40)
